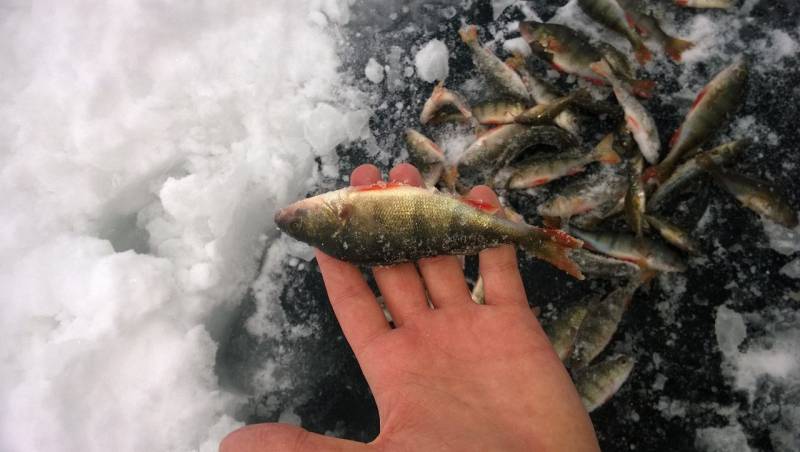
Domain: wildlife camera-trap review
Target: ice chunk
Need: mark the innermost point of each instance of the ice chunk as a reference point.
(792, 269)
(730, 329)
(722, 439)
(783, 240)
(498, 6)
(431, 61)
(324, 129)
(517, 46)
(374, 71)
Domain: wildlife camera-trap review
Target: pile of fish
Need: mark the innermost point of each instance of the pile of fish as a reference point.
(529, 134)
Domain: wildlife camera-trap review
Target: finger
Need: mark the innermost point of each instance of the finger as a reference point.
(401, 285)
(282, 437)
(445, 281)
(365, 174)
(353, 303)
(498, 266)
(407, 174)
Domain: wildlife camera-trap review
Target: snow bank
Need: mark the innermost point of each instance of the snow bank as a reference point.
(145, 147)
(431, 61)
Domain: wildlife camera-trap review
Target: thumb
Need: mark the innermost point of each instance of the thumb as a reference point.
(283, 437)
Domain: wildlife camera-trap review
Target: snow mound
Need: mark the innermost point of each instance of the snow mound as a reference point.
(431, 61)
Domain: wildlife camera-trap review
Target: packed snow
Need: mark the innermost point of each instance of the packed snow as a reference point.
(374, 71)
(431, 61)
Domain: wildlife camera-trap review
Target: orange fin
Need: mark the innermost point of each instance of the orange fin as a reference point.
(553, 253)
(643, 54)
(643, 88)
(675, 48)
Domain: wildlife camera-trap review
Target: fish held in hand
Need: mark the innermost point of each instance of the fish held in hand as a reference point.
(598, 383)
(388, 223)
(714, 104)
(610, 14)
(754, 194)
(493, 68)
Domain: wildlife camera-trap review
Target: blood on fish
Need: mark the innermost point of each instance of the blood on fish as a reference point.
(380, 186)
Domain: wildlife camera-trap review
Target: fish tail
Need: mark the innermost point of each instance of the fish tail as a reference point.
(552, 245)
(642, 53)
(675, 48)
(643, 88)
(515, 61)
(604, 151)
(469, 34)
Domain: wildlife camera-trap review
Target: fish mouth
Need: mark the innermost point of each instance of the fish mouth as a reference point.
(283, 217)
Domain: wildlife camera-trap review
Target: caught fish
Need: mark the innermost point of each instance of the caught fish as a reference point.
(673, 234)
(543, 169)
(426, 156)
(445, 103)
(598, 383)
(719, 99)
(648, 25)
(637, 118)
(616, 59)
(544, 93)
(500, 145)
(718, 4)
(754, 194)
(563, 329)
(547, 113)
(600, 324)
(593, 218)
(493, 68)
(387, 223)
(635, 199)
(610, 14)
(689, 170)
(605, 186)
(497, 112)
(646, 253)
(595, 265)
(571, 52)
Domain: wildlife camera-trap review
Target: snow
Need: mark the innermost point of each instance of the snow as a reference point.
(431, 61)
(374, 71)
(792, 269)
(722, 439)
(143, 158)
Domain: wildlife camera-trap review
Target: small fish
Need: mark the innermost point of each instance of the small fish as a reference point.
(593, 218)
(673, 234)
(388, 223)
(547, 113)
(595, 265)
(500, 145)
(598, 383)
(493, 68)
(571, 52)
(444, 103)
(718, 100)
(718, 4)
(541, 170)
(647, 25)
(646, 253)
(544, 93)
(605, 186)
(598, 327)
(689, 170)
(637, 118)
(635, 198)
(610, 14)
(426, 156)
(562, 330)
(754, 194)
(616, 59)
(497, 112)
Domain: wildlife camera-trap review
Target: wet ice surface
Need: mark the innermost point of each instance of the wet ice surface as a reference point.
(148, 284)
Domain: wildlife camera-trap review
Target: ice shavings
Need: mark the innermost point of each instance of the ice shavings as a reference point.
(431, 61)
(792, 269)
(145, 158)
(373, 71)
(781, 239)
(722, 439)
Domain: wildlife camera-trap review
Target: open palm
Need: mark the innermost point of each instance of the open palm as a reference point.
(458, 377)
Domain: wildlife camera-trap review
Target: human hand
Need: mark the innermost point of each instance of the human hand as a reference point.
(458, 377)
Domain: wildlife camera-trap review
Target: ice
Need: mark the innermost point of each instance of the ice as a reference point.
(730, 330)
(143, 159)
(781, 239)
(374, 71)
(498, 6)
(792, 269)
(722, 439)
(431, 61)
(517, 46)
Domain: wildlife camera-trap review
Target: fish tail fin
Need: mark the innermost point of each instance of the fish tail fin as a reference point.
(643, 88)
(469, 34)
(675, 48)
(552, 245)
(515, 61)
(642, 53)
